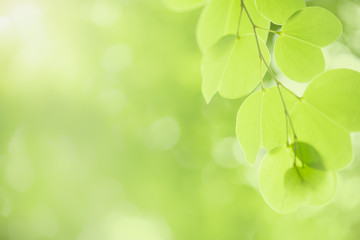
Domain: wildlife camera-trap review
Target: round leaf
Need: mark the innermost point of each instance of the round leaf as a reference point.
(286, 187)
(298, 60)
(232, 67)
(328, 137)
(221, 17)
(310, 185)
(278, 11)
(271, 181)
(336, 94)
(315, 25)
(308, 155)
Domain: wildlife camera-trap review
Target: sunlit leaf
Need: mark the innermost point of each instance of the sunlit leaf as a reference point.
(232, 67)
(221, 17)
(248, 126)
(308, 155)
(183, 5)
(315, 25)
(286, 187)
(298, 60)
(328, 137)
(310, 185)
(297, 49)
(336, 94)
(271, 181)
(278, 11)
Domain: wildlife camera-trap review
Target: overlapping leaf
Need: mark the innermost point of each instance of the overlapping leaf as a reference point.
(328, 112)
(297, 49)
(278, 11)
(298, 60)
(183, 5)
(336, 93)
(320, 119)
(261, 121)
(221, 17)
(232, 67)
(285, 187)
(323, 120)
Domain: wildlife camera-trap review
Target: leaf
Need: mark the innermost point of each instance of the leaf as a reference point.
(297, 49)
(298, 60)
(271, 181)
(261, 121)
(310, 185)
(336, 94)
(314, 25)
(248, 126)
(273, 117)
(278, 11)
(328, 137)
(308, 155)
(221, 17)
(183, 5)
(232, 67)
(323, 186)
(285, 187)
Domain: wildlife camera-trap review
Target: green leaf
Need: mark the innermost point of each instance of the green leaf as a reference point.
(323, 185)
(271, 181)
(314, 25)
(278, 11)
(232, 67)
(336, 94)
(295, 184)
(328, 137)
(273, 117)
(286, 187)
(310, 185)
(308, 155)
(297, 49)
(298, 60)
(248, 126)
(221, 17)
(183, 5)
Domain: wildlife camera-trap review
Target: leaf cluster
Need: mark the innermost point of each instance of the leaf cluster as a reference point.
(307, 137)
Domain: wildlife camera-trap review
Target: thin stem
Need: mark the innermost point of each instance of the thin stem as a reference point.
(278, 84)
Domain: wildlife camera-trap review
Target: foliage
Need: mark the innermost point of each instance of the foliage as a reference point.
(307, 137)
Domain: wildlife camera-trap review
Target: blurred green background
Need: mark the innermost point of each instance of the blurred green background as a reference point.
(105, 134)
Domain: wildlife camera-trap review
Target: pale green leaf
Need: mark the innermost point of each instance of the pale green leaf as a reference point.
(271, 181)
(295, 184)
(232, 67)
(323, 186)
(286, 187)
(336, 94)
(315, 25)
(273, 117)
(298, 60)
(278, 11)
(308, 155)
(183, 5)
(248, 126)
(328, 137)
(214, 64)
(221, 17)
(309, 185)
